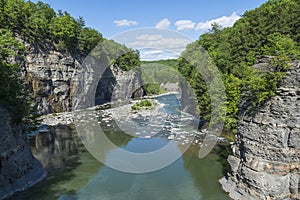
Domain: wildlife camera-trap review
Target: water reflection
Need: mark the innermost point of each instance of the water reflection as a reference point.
(74, 174)
(205, 172)
(189, 178)
(69, 166)
(56, 150)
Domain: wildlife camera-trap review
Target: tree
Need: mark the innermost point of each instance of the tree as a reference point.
(65, 31)
(280, 45)
(88, 39)
(11, 89)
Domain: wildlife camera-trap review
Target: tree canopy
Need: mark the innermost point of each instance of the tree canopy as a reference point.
(40, 23)
(271, 30)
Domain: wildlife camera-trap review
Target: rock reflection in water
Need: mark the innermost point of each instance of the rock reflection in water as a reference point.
(56, 149)
(68, 164)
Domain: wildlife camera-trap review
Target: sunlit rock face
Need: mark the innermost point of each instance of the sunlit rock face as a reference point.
(266, 161)
(52, 78)
(19, 170)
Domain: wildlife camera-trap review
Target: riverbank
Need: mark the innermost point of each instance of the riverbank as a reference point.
(160, 95)
(66, 118)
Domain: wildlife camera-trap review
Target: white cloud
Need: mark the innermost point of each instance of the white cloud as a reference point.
(163, 24)
(125, 22)
(154, 43)
(154, 54)
(225, 21)
(156, 46)
(148, 37)
(182, 25)
(160, 42)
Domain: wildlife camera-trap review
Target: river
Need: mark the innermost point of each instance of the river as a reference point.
(74, 174)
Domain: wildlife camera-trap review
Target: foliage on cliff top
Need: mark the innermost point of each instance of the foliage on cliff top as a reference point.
(39, 23)
(272, 30)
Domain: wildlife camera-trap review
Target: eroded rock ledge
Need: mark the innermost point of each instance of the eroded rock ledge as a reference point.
(266, 156)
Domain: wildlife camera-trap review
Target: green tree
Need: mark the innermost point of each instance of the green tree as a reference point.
(88, 39)
(280, 45)
(11, 89)
(128, 60)
(65, 31)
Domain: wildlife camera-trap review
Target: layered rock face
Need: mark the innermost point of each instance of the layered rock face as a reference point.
(266, 159)
(52, 77)
(50, 74)
(116, 84)
(19, 170)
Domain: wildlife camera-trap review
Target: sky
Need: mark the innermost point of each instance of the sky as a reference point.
(187, 18)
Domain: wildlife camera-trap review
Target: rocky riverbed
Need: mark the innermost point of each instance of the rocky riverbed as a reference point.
(179, 127)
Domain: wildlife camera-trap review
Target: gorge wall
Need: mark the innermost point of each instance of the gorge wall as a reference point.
(50, 74)
(116, 84)
(265, 163)
(19, 170)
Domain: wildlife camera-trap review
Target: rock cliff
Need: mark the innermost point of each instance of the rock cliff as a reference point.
(265, 163)
(50, 74)
(116, 84)
(19, 170)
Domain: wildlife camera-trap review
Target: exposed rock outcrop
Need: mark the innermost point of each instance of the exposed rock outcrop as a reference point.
(266, 161)
(52, 78)
(19, 170)
(116, 84)
(49, 74)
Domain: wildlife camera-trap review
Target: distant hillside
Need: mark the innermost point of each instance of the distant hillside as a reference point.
(157, 73)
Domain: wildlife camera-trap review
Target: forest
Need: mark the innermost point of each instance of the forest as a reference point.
(271, 30)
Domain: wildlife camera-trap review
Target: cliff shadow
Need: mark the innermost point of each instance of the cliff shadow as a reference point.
(105, 87)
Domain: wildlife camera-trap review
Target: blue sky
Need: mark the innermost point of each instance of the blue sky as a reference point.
(190, 18)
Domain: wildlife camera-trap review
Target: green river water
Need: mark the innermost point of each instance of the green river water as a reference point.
(73, 174)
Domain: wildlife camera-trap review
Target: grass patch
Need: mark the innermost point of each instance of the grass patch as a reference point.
(144, 104)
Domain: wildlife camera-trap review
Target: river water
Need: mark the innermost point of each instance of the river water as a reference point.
(73, 174)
